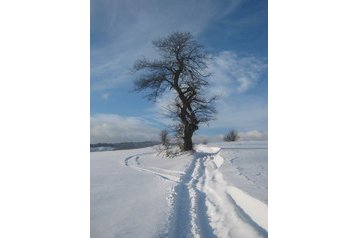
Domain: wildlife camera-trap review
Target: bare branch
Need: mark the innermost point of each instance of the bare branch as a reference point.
(182, 70)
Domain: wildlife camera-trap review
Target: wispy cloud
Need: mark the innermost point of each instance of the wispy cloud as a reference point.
(253, 135)
(122, 31)
(242, 113)
(235, 74)
(112, 128)
(105, 96)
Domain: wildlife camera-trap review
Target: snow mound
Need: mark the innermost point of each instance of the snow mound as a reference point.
(206, 149)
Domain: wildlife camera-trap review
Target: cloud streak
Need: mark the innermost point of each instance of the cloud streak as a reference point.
(235, 74)
(253, 135)
(122, 31)
(110, 128)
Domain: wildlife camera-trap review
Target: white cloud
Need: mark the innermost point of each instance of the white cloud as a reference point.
(235, 74)
(206, 138)
(105, 96)
(242, 113)
(122, 31)
(112, 128)
(253, 135)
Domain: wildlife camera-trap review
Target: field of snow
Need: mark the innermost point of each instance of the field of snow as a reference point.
(218, 191)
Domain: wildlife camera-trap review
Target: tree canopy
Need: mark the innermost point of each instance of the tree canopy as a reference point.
(181, 69)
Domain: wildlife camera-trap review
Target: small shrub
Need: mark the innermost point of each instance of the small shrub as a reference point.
(164, 137)
(231, 136)
(167, 149)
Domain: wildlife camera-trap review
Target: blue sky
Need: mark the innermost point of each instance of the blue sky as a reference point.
(233, 31)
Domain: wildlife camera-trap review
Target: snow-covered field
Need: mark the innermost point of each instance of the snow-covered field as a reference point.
(218, 191)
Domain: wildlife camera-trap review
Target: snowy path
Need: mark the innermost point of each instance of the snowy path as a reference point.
(203, 203)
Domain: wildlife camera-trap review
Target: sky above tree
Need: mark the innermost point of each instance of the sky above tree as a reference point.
(235, 34)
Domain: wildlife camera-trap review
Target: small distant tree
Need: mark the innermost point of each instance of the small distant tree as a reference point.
(231, 136)
(164, 137)
(168, 148)
(181, 70)
(204, 141)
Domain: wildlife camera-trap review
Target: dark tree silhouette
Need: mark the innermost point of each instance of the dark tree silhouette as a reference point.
(164, 137)
(231, 136)
(181, 69)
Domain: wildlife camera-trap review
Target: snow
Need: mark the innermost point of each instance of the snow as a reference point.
(218, 191)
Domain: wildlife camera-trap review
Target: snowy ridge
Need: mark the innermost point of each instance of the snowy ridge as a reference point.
(229, 217)
(203, 204)
(232, 212)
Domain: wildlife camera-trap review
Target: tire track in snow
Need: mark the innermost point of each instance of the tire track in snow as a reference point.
(161, 173)
(203, 204)
(126, 160)
(188, 218)
(206, 206)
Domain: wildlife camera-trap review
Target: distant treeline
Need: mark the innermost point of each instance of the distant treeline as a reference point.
(122, 146)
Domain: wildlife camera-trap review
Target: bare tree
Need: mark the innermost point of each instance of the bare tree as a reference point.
(231, 136)
(164, 137)
(167, 148)
(181, 69)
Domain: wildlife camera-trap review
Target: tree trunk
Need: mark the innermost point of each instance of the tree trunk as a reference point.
(188, 143)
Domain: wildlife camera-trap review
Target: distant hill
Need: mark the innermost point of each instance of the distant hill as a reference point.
(121, 146)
